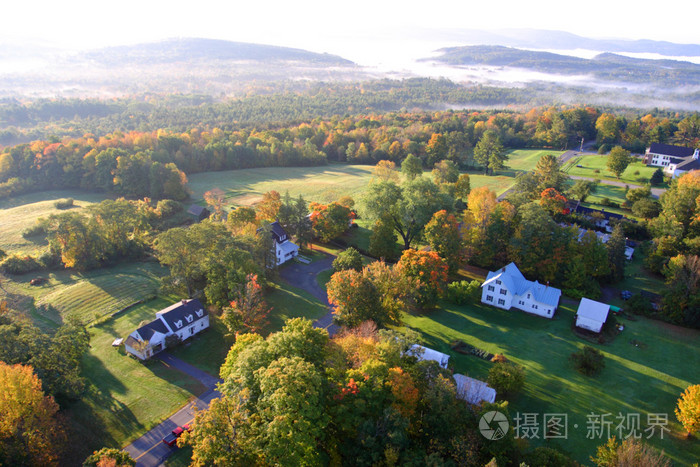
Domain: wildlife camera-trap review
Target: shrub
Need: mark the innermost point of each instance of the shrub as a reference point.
(462, 292)
(548, 457)
(168, 207)
(506, 378)
(596, 171)
(50, 260)
(499, 358)
(33, 231)
(657, 178)
(172, 341)
(604, 148)
(348, 259)
(2, 253)
(63, 203)
(588, 361)
(16, 264)
(636, 172)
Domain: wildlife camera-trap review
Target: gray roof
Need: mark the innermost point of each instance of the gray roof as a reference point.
(670, 150)
(180, 311)
(147, 331)
(278, 232)
(516, 283)
(197, 210)
(689, 164)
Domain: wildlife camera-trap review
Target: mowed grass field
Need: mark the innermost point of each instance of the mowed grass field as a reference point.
(590, 163)
(328, 183)
(124, 397)
(645, 380)
(23, 211)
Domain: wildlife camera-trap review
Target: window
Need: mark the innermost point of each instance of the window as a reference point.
(178, 324)
(491, 288)
(504, 292)
(489, 298)
(534, 307)
(498, 282)
(528, 296)
(191, 331)
(189, 318)
(521, 302)
(501, 301)
(200, 312)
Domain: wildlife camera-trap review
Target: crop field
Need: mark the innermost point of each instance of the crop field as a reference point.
(87, 296)
(18, 213)
(644, 379)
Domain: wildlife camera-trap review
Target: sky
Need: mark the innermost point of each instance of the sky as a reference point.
(326, 26)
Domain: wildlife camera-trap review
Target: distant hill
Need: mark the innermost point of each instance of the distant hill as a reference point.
(193, 49)
(560, 40)
(607, 66)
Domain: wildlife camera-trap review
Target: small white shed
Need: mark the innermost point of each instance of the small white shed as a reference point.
(591, 315)
(473, 391)
(424, 353)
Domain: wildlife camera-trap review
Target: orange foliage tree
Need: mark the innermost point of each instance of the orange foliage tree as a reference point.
(430, 272)
(553, 201)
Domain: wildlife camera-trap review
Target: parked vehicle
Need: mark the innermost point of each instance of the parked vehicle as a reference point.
(171, 438)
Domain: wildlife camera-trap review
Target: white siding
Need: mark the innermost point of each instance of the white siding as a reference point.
(587, 323)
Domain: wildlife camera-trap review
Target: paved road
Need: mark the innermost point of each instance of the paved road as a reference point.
(303, 276)
(149, 450)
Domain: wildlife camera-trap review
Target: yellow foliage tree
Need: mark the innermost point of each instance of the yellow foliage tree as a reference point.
(688, 410)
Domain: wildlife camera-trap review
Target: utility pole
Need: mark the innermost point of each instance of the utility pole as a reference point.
(581, 150)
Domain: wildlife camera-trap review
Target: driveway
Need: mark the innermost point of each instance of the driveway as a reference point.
(303, 276)
(149, 450)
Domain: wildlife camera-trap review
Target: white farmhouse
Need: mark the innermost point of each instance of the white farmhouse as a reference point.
(473, 391)
(675, 160)
(184, 319)
(508, 288)
(591, 315)
(424, 353)
(284, 248)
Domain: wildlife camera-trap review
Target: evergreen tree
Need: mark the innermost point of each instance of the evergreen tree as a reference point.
(616, 254)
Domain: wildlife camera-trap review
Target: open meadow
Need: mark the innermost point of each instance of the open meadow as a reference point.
(644, 379)
(637, 173)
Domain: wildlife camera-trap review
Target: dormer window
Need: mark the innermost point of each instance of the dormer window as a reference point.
(178, 324)
(189, 318)
(200, 312)
(498, 282)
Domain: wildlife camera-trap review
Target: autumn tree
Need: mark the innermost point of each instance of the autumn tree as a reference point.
(329, 221)
(348, 259)
(462, 187)
(553, 201)
(241, 219)
(215, 199)
(248, 310)
(688, 410)
(269, 206)
(489, 152)
(630, 453)
(430, 272)
(109, 457)
(31, 433)
(618, 160)
(386, 171)
(442, 234)
(436, 149)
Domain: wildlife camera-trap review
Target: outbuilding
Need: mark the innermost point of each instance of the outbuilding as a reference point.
(591, 315)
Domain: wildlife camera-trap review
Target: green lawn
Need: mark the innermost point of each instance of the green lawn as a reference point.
(125, 398)
(289, 302)
(21, 212)
(635, 380)
(590, 163)
(321, 184)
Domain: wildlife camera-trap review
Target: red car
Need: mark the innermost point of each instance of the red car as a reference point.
(171, 438)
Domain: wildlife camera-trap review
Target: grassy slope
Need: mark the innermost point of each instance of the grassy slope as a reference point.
(591, 163)
(125, 398)
(635, 380)
(23, 211)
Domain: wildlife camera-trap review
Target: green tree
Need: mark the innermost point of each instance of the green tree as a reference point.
(581, 189)
(506, 378)
(549, 174)
(589, 361)
(657, 178)
(688, 409)
(445, 172)
(382, 241)
(631, 452)
(411, 167)
(681, 301)
(407, 207)
(489, 152)
(616, 254)
(618, 160)
(348, 259)
(637, 194)
(442, 234)
(462, 187)
(226, 272)
(646, 208)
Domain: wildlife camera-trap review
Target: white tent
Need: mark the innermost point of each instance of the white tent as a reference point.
(424, 353)
(473, 391)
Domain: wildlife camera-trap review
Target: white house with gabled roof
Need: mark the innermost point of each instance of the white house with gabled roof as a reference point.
(507, 288)
(184, 319)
